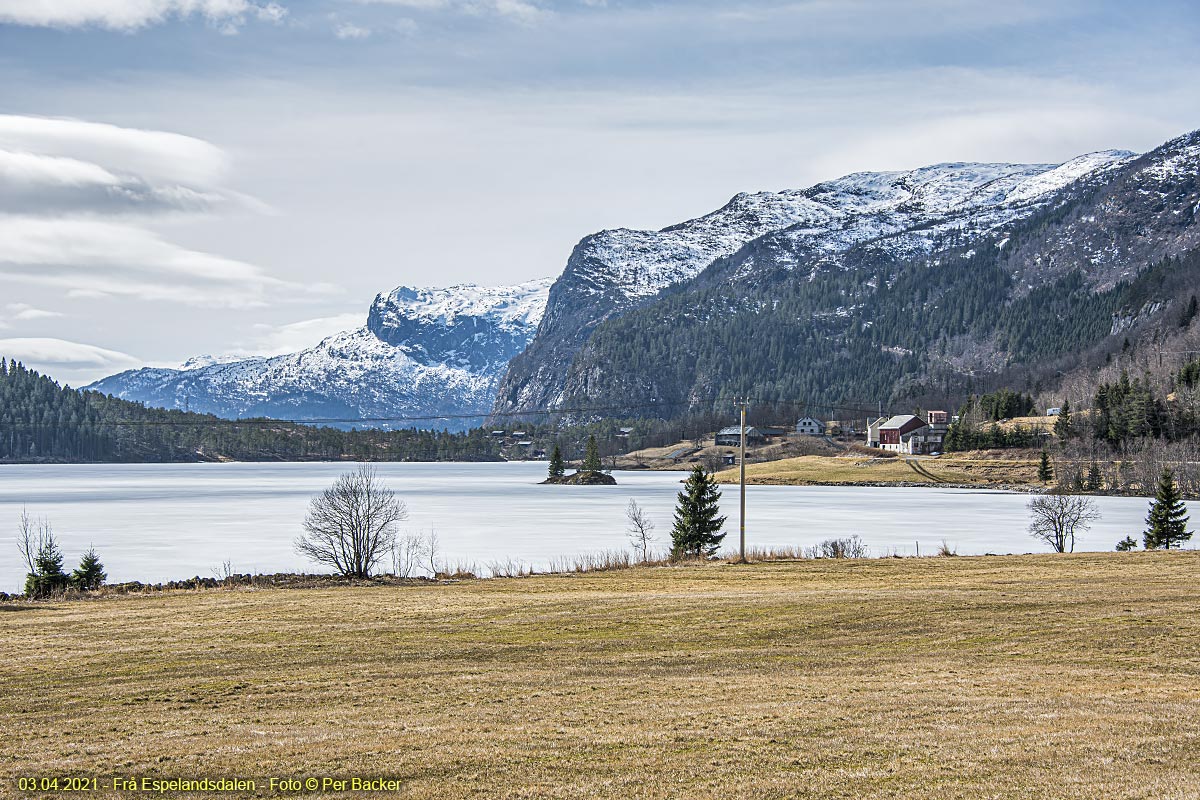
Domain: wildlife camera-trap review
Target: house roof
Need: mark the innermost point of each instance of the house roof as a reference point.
(900, 421)
(807, 421)
(734, 430)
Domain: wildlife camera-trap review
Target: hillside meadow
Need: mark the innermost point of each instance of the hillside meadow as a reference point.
(991, 677)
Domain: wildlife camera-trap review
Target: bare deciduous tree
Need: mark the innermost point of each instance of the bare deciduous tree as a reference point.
(32, 537)
(352, 524)
(641, 529)
(1059, 518)
(430, 552)
(406, 554)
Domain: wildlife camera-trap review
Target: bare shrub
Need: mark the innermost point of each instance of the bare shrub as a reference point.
(641, 529)
(406, 554)
(772, 554)
(509, 569)
(945, 550)
(224, 572)
(351, 525)
(461, 571)
(846, 547)
(602, 561)
(32, 537)
(1059, 518)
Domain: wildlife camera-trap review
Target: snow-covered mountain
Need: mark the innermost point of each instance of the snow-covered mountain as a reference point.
(422, 353)
(901, 214)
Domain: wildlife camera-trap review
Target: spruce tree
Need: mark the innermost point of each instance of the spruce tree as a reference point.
(90, 573)
(1062, 425)
(1095, 482)
(697, 530)
(557, 468)
(1166, 524)
(48, 575)
(591, 456)
(1045, 472)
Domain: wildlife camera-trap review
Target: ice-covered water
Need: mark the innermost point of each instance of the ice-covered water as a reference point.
(162, 522)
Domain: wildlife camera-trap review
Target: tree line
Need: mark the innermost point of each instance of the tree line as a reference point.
(41, 421)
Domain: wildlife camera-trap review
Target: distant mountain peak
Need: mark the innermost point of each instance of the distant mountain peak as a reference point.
(422, 352)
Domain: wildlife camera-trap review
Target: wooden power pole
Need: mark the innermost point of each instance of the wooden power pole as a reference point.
(742, 487)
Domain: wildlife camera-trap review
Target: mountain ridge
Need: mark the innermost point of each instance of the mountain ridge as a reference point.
(815, 227)
(433, 355)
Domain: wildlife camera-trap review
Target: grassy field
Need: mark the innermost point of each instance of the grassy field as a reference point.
(992, 468)
(1003, 677)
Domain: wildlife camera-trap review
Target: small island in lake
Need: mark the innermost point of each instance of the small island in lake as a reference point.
(583, 478)
(590, 472)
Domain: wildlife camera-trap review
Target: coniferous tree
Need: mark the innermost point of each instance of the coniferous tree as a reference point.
(1094, 480)
(48, 575)
(1189, 313)
(591, 456)
(1126, 544)
(1166, 524)
(557, 468)
(697, 530)
(90, 573)
(1062, 425)
(1045, 472)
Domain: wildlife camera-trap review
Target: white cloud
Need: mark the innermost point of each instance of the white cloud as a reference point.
(75, 195)
(156, 156)
(23, 312)
(120, 259)
(21, 167)
(129, 15)
(348, 30)
(288, 338)
(521, 10)
(72, 362)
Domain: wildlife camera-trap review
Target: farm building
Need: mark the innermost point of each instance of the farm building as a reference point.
(908, 433)
(807, 426)
(902, 434)
(732, 436)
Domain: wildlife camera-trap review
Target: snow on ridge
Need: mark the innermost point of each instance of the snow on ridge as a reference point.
(207, 360)
(834, 214)
(1067, 172)
(521, 305)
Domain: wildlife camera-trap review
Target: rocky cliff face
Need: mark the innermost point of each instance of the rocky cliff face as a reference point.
(433, 354)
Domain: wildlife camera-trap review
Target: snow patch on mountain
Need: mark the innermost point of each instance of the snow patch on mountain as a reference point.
(510, 307)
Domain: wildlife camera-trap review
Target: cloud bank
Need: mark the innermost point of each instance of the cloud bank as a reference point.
(76, 199)
(130, 15)
(70, 362)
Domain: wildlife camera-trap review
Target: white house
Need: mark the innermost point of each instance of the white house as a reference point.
(873, 431)
(808, 426)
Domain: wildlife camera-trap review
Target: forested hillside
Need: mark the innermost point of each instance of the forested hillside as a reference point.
(905, 290)
(41, 421)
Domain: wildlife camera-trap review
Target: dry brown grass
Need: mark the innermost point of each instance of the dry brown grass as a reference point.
(974, 469)
(1014, 677)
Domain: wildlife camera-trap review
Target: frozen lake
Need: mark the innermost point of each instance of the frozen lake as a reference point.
(161, 522)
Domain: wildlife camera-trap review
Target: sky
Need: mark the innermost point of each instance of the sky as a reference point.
(235, 177)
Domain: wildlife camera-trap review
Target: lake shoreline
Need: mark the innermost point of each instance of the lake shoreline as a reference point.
(159, 523)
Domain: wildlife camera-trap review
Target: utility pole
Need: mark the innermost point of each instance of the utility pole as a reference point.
(742, 486)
